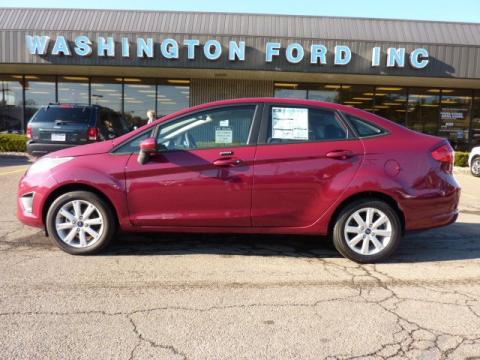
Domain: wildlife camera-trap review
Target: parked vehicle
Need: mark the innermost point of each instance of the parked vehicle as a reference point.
(259, 165)
(59, 126)
(474, 161)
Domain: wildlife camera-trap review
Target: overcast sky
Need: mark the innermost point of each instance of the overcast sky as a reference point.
(454, 10)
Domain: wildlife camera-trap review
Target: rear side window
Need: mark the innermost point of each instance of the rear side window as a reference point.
(111, 124)
(364, 128)
(291, 124)
(52, 114)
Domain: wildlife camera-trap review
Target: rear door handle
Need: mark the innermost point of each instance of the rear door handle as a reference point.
(339, 154)
(227, 162)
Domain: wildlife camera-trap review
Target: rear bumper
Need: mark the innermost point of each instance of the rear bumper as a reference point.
(39, 149)
(431, 210)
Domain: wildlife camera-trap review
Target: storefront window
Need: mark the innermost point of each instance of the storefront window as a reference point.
(107, 92)
(289, 91)
(475, 126)
(422, 110)
(11, 104)
(171, 98)
(73, 89)
(391, 103)
(329, 93)
(139, 98)
(39, 90)
(455, 117)
(359, 96)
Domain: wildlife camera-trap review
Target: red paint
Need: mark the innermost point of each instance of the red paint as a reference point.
(148, 145)
(264, 188)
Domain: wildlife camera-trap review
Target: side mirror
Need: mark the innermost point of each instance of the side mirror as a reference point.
(149, 145)
(147, 148)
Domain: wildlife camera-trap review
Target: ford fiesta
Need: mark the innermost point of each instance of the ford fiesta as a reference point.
(259, 165)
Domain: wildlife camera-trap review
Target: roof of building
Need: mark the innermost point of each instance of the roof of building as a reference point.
(233, 24)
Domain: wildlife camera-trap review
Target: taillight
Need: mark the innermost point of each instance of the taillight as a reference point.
(29, 131)
(446, 156)
(92, 134)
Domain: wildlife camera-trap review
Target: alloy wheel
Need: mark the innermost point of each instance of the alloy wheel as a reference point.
(79, 223)
(368, 231)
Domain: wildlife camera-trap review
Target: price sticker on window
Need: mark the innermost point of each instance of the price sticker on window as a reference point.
(290, 123)
(223, 135)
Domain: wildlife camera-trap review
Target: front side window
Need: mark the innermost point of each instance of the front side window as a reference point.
(225, 127)
(291, 124)
(133, 145)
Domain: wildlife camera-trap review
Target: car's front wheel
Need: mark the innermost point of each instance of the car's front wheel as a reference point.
(80, 223)
(367, 231)
(475, 166)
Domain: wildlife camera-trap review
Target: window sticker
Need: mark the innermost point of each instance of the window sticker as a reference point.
(223, 135)
(289, 123)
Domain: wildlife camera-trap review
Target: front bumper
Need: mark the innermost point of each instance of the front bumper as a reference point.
(30, 212)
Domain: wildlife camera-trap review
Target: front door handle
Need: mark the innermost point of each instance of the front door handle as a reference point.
(226, 153)
(227, 162)
(340, 154)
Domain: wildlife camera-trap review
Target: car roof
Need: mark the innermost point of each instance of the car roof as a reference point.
(350, 110)
(287, 101)
(293, 101)
(70, 105)
(390, 125)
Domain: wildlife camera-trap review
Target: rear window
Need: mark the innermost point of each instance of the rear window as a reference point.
(73, 114)
(364, 128)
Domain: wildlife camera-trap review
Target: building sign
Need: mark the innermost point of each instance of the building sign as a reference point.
(213, 50)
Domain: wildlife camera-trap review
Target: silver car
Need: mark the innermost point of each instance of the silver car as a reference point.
(474, 161)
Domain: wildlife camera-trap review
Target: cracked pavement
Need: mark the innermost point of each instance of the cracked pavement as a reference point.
(173, 296)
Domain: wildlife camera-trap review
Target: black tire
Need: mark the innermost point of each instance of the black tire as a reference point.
(475, 160)
(109, 223)
(341, 221)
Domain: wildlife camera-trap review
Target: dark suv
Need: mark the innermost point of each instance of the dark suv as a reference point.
(59, 126)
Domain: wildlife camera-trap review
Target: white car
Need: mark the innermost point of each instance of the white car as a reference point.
(474, 161)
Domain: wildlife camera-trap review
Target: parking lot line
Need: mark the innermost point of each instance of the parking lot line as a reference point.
(13, 171)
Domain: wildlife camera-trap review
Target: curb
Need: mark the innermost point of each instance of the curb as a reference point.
(16, 157)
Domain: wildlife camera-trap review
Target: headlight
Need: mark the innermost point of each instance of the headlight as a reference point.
(46, 164)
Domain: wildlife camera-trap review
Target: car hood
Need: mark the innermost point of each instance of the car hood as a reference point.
(82, 150)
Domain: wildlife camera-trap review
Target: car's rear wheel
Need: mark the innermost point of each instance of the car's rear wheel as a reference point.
(475, 167)
(367, 231)
(80, 223)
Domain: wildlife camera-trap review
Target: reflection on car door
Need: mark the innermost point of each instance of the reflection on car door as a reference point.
(203, 178)
(308, 157)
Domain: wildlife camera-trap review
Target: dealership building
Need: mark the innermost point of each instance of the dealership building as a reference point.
(422, 74)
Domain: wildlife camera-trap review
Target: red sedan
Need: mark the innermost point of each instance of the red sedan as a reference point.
(258, 165)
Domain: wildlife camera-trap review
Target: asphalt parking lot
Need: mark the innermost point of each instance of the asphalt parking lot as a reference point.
(238, 297)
